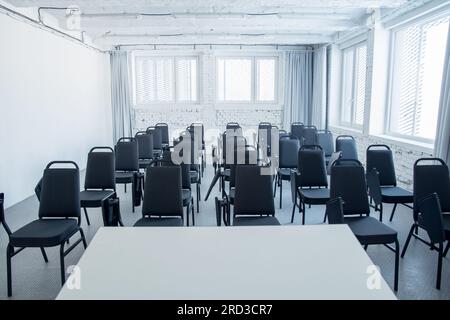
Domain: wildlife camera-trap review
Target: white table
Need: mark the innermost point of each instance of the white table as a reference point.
(290, 262)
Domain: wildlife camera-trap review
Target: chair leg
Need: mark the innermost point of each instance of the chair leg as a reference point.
(187, 215)
(193, 215)
(381, 212)
(293, 212)
(408, 239)
(303, 213)
(281, 194)
(393, 212)
(275, 186)
(125, 187)
(397, 262)
(198, 197)
(44, 255)
(83, 238)
(365, 247)
(87, 217)
(9, 254)
(63, 268)
(446, 248)
(439, 270)
(325, 218)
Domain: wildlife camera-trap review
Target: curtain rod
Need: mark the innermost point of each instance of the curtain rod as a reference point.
(14, 14)
(210, 45)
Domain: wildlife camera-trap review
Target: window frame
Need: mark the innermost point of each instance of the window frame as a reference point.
(352, 124)
(254, 78)
(389, 103)
(175, 58)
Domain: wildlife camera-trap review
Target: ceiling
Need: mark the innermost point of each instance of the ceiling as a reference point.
(111, 22)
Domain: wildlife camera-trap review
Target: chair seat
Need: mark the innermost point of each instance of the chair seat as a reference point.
(315, 196)
(396, 195)
(186, 195)
(226, 174)
(159, 222)
(255, 221)
(124, 177)
(44, 233)
(285, 173)
(94, 198)
(144, 163)
(369, 230)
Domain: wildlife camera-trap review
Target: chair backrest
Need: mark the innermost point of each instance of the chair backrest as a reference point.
(167, 161)
(311, 168)
(325, 140)
(432, 221)
(60, 195)
(334, 157)
(162, 193)
(254, 194)
(232, 139)
(431, 178)
(289, 152)
(164, 130)
(309, 135)
(382, 161)
(145, 144)
(200, 128)
(297, 130)
(347, 146)
(249, 158)
(100, 169)
(265, 133)
(233, 125)
(348, 181)
(127, 155)
(157, 137)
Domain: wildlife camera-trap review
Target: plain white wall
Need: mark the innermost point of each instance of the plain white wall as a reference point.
(54, 104)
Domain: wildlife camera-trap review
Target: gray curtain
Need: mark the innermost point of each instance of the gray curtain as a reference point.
(442, 147)
(319, 99)
(120, 95)
(298, 88)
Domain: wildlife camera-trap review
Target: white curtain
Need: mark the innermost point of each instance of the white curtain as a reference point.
(319, 99)
(442, 147)
(298, 88)
(120, 95)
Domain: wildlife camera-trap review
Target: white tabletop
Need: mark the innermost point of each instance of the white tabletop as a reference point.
(281, 262)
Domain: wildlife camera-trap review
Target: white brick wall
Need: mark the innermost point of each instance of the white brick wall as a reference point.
(211, 114)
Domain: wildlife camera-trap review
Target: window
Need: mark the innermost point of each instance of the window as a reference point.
(417, 68)
(165, 79)
(354, 63)
(247, 79)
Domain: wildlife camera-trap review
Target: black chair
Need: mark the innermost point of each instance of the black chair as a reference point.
(289, 148)
(163, 202)
(198, 129)
(347, 146)
(432, 221)
(59, 218)
(324, 139)
(297, 130)
(99, 184)
(309, 135)
(253, 202)
(310, 182)
(145, 147)
(127, 165)
(164, 131)
(265, 137)
(233, 126)
(157, 141)
(430, 179)
(349, 205)
(382, 181)
(186, 189)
